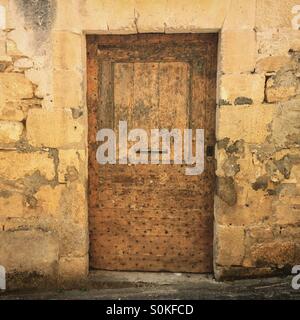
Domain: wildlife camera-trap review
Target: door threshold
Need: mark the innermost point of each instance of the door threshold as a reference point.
(113, 279)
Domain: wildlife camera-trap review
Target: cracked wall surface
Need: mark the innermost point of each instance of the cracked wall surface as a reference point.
(43, 130)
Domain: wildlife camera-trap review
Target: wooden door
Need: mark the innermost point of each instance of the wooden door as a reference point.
(151, 217)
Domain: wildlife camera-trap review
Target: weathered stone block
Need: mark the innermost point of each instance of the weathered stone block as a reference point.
(67, 49)
(11, 111)
(14, 86)
(68, 88)
(70, 165)
(226, 190)
(69, 15)
(281, 87)
(10, 132)
(292, 232)
(23, 63)
(274, 14)
(5, 62)
(250, 166)
(249, 123)
(73, 268)
(150, 16)
(276, 42)
(49, 202)
(230, 245)
(285, 126)
(182, 16)
(259, 233)
(53, 129)
(11, 204)
(73, 230)
(142, 16)
(240, 15)
(276, 253)
(287, 213)
(101, 15)
(272, 64)
(15, 165)
(295, 173)
(29, 251)
(236, 88)
(234, 273)
(238, 51)
(252, 207)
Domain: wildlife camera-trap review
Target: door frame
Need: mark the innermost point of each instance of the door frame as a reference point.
(216, 95)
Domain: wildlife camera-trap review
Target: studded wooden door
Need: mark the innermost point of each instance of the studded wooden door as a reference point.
(151, 217)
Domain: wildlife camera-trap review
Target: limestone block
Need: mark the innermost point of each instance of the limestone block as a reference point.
(5, 61)
(240, 15)
(68, 88)
(73, 231)
(11, 111)
(15, 165)
(287, 213)
(276, 253)
(49, 202)
(242, 88)
(53, 129)
(238, 51)
(276, 42)
(68, 15)
(14, 86)
(274, 14)
(29, 251)
(183, 16)
(73, 268)
(281, 87)
(102, 15)
(252, 207)
(11, 204)
(10, 132)
(150, 16)
(285, 126)
(272, 64)
(67, 50)
(70, 164)
(249, 123)
(262, 232)
(23, 63)
(230, 245)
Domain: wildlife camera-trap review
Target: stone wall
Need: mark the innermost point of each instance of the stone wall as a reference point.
(43, 129)
(43, 211)
(257, 207)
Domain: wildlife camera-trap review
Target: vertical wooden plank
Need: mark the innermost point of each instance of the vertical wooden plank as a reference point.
(198, 83)
(123, 92)
(92, 101)
(173, 94)
(145, 111)
(105, 112)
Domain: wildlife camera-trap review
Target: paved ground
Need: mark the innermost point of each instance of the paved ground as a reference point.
(135, 285)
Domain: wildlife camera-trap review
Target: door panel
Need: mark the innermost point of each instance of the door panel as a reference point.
(151, 217)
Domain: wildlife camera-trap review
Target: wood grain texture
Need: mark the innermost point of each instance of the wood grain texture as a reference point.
(151, 217)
